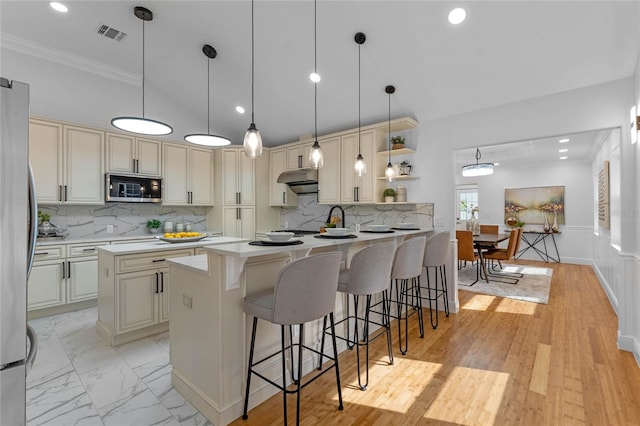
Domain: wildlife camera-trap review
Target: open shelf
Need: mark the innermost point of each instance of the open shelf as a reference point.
(401, 151)
(395, 178)
(395, 203)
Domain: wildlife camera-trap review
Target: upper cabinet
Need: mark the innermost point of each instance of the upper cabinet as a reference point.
(187, 175)
(130, 154)
(298, 156)
(329, 174)
(280, 194)
(238, 178)
(66, 162)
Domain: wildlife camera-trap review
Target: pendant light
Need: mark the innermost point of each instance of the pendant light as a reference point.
(389, 170)
(142, 125)
(208, 139)
(360, 166)
(316, 159)
(252, 139)
(477, 169)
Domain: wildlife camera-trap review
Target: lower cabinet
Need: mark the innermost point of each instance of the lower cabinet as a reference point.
(133, 299)
(46, 285)
(239, 222)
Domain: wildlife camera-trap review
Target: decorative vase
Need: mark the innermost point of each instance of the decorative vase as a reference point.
(546, 227)
(388, 199)
(154, 230)
(554, 227)
(473, 224)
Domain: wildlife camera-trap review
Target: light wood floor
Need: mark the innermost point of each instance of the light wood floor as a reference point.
(497, 362)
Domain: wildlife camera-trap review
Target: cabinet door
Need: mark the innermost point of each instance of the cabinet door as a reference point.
(246, 179)
(354, 188)
(84, 175)
(230, 221)
(137, 297)
(279, 192)
(164, 295)
(201, 168)
(175, 174)
(148, 157)
(121, 151)
(367, 182)
(230, 170)
(45, 155)
(329, 174)
(247, 222)
(298, 156)
(46, 285)
(82, 282)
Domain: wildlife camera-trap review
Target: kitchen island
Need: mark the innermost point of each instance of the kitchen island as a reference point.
(209, 333)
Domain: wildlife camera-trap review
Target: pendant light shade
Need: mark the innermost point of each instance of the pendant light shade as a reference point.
(360, 166)
(316, 159)
(142, 125)
(477, 169)
(207, 139)
(389, 173)
(252, 139)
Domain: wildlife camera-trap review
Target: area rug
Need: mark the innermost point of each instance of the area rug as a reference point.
(532, 287)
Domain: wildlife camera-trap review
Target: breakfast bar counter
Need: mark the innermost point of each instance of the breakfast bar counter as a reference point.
(209, 333)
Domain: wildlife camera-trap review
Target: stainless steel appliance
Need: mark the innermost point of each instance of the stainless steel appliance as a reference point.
(133, 189)
(18, 228)
(303, 181)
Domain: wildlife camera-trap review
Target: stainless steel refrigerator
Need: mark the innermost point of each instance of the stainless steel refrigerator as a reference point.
(18, 227)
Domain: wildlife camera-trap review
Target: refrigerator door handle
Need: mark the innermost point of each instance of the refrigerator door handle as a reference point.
(33, 347)
(33, 222)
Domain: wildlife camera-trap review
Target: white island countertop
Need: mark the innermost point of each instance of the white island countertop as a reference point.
(159, 245)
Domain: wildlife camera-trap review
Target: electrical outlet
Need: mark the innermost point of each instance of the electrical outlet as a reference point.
(109, 229)
(286, 225)
(187, 301)
(439, 221)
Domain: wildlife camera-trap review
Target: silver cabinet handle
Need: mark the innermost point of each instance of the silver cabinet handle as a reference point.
(237, 213)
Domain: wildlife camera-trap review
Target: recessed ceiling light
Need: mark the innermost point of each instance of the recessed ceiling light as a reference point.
(457, 16)
(58, 6)
(315, 77)
(564, 158)
(239, 110)
(563, 150)
(564, 140)
(496, 164)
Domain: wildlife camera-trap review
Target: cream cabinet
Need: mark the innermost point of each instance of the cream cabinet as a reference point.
(187, 175)
(130, 154)
(46, 286)
(239, 222)
(357, 189)
(66, 162)
(238, 178)
(280, 194)
(133, 290)
(329, 175)
(82, 271)
(298, 156)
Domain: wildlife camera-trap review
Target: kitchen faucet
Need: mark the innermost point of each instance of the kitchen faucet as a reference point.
(331, 211)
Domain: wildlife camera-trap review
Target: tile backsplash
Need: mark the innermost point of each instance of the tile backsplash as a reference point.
(310, 215)
(128, 219)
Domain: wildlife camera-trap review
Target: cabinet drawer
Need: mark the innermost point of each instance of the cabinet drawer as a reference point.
(81, 250)
(48, 253)
(141, 262)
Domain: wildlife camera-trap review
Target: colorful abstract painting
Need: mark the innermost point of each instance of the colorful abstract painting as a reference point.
(532, 205)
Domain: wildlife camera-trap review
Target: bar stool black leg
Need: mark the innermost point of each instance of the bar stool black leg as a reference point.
(335, 360)
(416, 286)
(433, 297)
(443, 283)
(387, 323)
(294, 379)
(284, 373)
(253, 344)
(324, 327)
(300, 343)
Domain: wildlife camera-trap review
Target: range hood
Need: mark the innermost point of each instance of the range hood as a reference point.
(303, 181)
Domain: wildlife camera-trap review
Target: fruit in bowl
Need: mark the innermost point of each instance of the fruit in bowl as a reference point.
(182, 234)
(280, 236)
(337, 231)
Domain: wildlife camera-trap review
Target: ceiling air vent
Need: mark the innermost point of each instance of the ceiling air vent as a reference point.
(111, 32)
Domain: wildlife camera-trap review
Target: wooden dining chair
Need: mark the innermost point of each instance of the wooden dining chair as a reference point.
(506, 254)
(491, 229)
(467, 252)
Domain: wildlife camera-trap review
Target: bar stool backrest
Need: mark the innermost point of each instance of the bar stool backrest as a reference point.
(408, 260)
(437, 250)
(306, 289)
(370, 269)
(465, 245)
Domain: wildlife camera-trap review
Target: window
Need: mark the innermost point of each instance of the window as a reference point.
(467, 196)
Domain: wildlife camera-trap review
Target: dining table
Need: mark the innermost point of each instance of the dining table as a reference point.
(485, 241)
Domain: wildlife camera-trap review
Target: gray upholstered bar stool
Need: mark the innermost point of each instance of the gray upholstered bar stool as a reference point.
(405, 274)
(305, 291)
(368, 275)
(436, 254)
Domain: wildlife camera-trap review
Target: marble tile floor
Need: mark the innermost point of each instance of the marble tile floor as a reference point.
(78, 379)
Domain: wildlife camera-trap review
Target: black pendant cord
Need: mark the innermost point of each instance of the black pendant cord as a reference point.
(143, 80)
(315, 67)
(252, 64)
(389, 134)
(359, 153)
(208, 96)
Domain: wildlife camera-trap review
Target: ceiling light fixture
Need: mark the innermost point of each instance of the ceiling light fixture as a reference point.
(142, 125)
(59, 7)
(252, 139)
(208, 139)
(477, 169)
(457, 16)
(389, 90)
(360, 166)
(316, 159)
(563, 140)
(239, 110)
(563, 158)
(563, 150)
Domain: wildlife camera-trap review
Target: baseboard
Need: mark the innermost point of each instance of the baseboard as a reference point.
(577, 260)
(613, 300)
(628, 343)
(118, 339)
(68, 307)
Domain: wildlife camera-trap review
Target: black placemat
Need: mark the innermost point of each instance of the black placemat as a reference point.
(406, 229)
(388, 231)
(275, 243)
(336, 236)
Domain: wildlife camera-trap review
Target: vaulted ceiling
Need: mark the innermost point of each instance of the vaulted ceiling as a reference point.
(504, 52)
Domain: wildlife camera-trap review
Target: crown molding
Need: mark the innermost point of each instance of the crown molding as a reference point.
(30, 48)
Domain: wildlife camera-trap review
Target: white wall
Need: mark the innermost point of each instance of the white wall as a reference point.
(574, 242)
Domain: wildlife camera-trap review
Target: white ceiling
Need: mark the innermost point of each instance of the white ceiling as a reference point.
(505, 52)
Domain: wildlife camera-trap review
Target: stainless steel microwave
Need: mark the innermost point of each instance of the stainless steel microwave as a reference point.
(133, 188)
